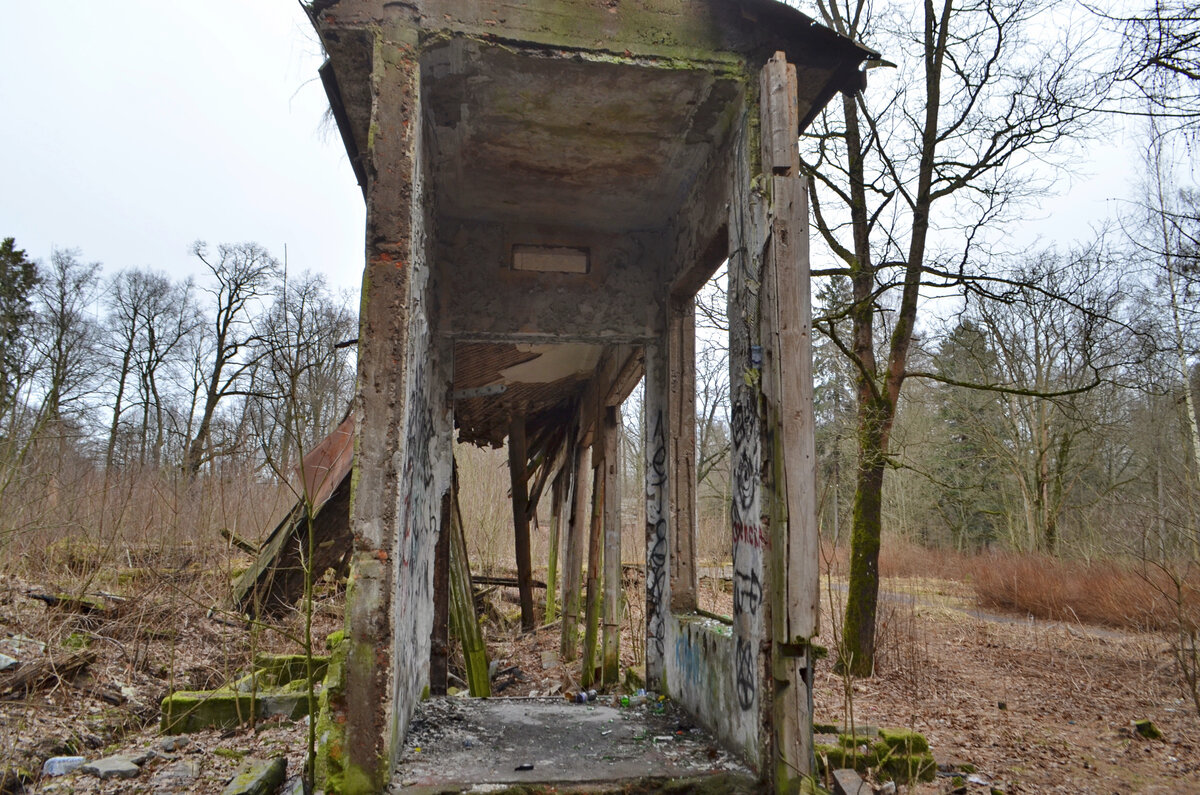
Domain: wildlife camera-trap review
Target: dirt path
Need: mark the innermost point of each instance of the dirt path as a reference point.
(1035, 707)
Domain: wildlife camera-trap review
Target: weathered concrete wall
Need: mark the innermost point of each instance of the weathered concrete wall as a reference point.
(702, 671)
(488, 299)
(713, 670)
(359, 760)
(425, 474)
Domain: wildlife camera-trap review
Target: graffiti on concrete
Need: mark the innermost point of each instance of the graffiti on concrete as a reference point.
(656, 537)
(749, 539)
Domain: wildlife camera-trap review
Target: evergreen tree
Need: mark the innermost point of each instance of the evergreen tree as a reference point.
(18, 275)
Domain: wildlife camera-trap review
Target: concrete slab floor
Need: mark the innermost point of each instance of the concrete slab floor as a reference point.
(482, 745)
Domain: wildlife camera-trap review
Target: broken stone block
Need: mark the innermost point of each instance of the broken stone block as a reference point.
(177, 777)
(280, 669)
(849, 782)
(192, 710)
(112, 767)
(258, 778)
(62, 765)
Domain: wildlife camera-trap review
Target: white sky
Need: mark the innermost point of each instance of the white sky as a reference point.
(131, 128)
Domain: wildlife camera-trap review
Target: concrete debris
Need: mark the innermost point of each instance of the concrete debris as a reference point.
(112, 767)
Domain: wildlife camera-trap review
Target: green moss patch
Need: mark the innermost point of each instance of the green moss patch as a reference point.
(899, 755)
(904, 740)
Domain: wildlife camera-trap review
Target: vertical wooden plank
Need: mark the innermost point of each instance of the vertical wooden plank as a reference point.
(612, 547)
(787, 383)
(780, 116)
(681, 339)
(556, 516)
(790, 254)
(595, 551)
(439, 642)
(462, 605)
(572, 572)
(517, 463)
(657, 513)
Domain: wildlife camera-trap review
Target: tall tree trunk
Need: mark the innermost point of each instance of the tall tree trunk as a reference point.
(857, 655)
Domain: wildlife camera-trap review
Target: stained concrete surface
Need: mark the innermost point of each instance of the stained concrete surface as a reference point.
(458, 744)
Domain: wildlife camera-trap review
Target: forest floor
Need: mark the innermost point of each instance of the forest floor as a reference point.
(1033, 706)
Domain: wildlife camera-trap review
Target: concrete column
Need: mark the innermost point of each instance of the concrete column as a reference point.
(362, 707)
(658, 563)
(681, 336)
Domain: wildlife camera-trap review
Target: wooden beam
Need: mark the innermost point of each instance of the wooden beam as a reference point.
(572, 571)
(612, 547)
(463, 619)
(791, 557)
(558, 492)
(517, 461)
(595, 551)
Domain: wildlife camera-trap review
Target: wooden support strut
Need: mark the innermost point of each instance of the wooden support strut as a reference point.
(573, 560)
(595, 552)
(517, 463)
(611, 665)
(463, 619)
(791, 565)
(558, 492)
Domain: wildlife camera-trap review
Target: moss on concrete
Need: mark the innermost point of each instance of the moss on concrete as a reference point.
(282, 669)
(904, 740)
(331, 734)
(258, 778)
(899, 755)
(194, 710)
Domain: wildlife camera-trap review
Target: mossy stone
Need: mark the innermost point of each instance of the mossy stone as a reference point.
(281, 669)
(904, 740)
(1147, 729)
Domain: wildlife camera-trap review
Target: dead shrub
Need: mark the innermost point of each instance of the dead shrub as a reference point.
(1108, 593)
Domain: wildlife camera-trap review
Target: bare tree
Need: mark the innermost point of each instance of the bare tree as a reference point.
(937, 153)
(242, 273)
(303, 384)
(66, 335)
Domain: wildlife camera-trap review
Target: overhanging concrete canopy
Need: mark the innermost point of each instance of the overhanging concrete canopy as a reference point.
(548, 183)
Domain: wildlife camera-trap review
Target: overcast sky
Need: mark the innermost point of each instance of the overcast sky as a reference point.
(133, 127)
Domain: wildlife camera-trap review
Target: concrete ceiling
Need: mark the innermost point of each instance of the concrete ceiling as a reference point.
(529, 137)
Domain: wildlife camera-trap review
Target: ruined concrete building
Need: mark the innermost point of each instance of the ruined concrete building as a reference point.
(548, 184)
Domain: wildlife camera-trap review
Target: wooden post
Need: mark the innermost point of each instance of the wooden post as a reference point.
(518, 462)
(681, 339)
(791, 567)
(462, 605)
(556, 513)
(612, 546)
(595, 550)
(439, 642)
(572, 571)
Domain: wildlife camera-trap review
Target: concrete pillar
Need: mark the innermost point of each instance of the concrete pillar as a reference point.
(681, 337)
(658, 563)
(362, 707)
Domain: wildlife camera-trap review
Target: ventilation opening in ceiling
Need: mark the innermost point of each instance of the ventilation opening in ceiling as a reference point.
(550, 259)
